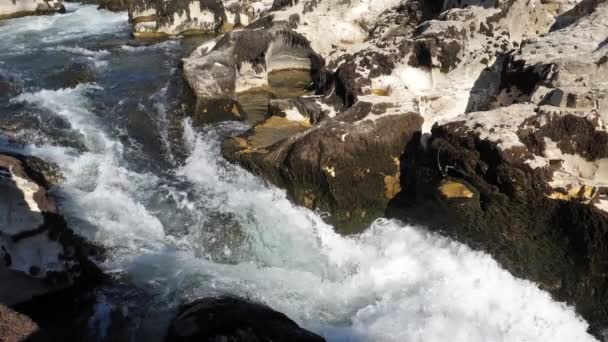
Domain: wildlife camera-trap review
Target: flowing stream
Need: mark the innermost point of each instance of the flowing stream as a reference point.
(179, 222)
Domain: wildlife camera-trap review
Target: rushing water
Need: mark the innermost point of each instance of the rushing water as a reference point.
(178, 228)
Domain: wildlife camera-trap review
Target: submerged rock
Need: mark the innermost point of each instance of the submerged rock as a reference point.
(71, 75)
(233, 319)
(39, 253)
(19, 8)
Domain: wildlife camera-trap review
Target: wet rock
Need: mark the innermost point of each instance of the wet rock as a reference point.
(525, 181)
(347, 166)
(19, 8)
(217, 110)
(15, 327)
(39, 253)
(71, 76)
(114, 5)
(233, 319)
(9, 87)
(162, 19)
(525, 184)
(476, 118)
(277, 60)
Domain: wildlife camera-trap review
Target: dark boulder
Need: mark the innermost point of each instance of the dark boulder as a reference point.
(236, 320)
(347, 166)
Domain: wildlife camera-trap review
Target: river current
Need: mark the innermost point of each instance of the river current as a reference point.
(179, 222)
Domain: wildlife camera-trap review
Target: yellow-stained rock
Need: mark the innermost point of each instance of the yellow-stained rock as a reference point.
(330, 171)
(583, 193)
(392, 185)
(273, 130)
(380, 92)
(452, 189)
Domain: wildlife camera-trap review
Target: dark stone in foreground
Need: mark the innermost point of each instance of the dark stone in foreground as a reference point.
(234, 319)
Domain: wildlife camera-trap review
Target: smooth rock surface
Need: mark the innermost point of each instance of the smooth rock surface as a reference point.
(237, 320)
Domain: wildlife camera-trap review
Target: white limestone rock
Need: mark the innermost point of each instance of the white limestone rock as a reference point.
(166, 18)
(38, 253)
(19, 8)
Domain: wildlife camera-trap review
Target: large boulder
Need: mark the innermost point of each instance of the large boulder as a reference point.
(347, 165)
(161, 19)
(233, 319)
(271, 59)
(39, 254)
(19, 8)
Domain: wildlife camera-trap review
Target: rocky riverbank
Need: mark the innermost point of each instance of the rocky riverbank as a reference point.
(484, 120)
(481, 120)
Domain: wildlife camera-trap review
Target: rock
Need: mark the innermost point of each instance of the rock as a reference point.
(114, 5)
(525, 180)
(162, 19)
(508, 181)
(403, 64)
(71, 76)
(39, 253)
(15, 327)
(233, 319)
(276, 60)
(9, 87)
(347, 166)
(485, 120)
(19, 8)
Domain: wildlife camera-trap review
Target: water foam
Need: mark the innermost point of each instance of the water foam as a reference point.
(392, 283)
(99, 189)
(80, 22)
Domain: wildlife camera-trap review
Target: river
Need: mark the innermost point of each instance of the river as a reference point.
(179, 222)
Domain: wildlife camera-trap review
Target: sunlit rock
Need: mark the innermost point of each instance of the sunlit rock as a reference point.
(19, 8)
(38, 253)
(162, 18)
